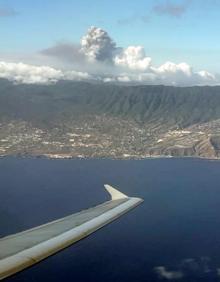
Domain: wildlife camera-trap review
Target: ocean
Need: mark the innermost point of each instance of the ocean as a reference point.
(174, 235)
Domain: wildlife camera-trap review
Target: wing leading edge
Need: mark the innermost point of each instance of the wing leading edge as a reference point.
(24, 249)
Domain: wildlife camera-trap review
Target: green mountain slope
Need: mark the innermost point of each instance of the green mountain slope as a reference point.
(174, 105)
(136, 120)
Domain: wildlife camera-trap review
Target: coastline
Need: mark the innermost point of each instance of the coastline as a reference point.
(68, 157)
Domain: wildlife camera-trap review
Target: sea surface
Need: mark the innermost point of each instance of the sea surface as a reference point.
(173, 236)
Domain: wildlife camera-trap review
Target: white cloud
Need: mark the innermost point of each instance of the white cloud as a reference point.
(206, 75)
(133, 58)
(24, 73)
(124, 78)
(77, 75)
(169, 275)
(131, 64)
(99, 58)
(172, 68)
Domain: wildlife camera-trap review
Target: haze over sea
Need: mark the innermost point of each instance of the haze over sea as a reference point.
(174, 235)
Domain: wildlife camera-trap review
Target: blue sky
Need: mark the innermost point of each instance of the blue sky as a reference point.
(189, 36)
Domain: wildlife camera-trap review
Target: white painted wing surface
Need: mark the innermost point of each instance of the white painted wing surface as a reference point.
(24, 249)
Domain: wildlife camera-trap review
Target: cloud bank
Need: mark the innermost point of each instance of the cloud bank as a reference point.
(29, 74)
(98, 57)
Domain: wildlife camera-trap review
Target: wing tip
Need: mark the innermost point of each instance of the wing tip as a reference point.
(114, 193)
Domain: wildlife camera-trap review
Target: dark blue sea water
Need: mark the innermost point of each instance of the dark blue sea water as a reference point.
(174, 235)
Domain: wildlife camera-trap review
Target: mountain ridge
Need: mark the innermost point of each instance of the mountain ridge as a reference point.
(110, 110)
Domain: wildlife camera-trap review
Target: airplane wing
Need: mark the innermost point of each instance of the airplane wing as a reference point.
(26, 248)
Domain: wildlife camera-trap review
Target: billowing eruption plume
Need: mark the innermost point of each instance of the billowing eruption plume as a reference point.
(97, 45)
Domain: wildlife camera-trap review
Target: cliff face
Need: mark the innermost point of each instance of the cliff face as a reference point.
(202, 148)
(119, 121)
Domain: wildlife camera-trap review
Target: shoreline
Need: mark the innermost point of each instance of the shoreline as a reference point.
(60, 157)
